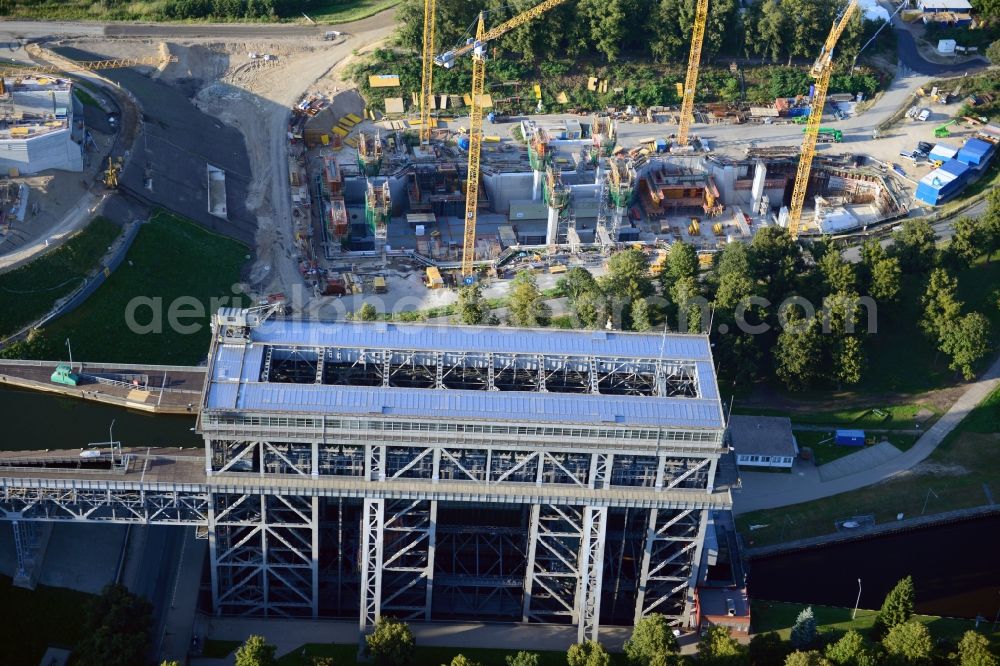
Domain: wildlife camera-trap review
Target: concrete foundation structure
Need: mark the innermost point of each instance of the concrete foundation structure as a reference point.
(37, 130)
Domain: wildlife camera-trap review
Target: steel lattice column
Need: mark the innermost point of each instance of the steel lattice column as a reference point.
(408, 535)
(595, 525)
(670, 563)
(551, 581)
(372, 520)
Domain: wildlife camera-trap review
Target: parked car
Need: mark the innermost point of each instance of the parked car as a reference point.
(924, 114)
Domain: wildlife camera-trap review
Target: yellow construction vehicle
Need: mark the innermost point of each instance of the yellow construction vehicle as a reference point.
(820, 71)
(427, 72)
(478, 49)
(691, 81)
(112, 172)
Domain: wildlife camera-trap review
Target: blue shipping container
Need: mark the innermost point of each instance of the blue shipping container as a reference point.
(850, 438)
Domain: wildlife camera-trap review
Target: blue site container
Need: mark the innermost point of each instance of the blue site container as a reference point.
(850, 438)
(975, 152)
(661, 145)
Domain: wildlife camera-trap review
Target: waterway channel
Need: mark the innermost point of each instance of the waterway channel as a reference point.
(33, 420)
(955, 569)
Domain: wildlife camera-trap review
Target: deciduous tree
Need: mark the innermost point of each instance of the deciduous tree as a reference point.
(913, 243)
(909, 642)
(942, 309)
(967, 243)
(116, 629)
(717, 648)
(523, 659)
(652, 642)
(767, 649)
(974, 650)
(367, 312)
(850, 650)
(588, 653)
(967, 340)
(526, 305)
(391, 644)
(255, 651)
(810, 658)
(887, 281)
(470, 306)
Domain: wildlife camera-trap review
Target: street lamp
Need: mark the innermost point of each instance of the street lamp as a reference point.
(854, 614)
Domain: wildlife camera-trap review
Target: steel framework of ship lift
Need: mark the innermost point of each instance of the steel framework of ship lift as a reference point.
(598, 522)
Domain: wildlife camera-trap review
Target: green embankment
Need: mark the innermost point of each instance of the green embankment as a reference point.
(173, 266)
(32, 621)
(780, 616)
(30, 291)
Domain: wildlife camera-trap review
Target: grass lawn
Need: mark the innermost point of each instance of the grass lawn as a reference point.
(343, 11)
(779, 616)
(951, 478)
(171, 258)
(30, 291)
(219, 649)
(84, 96)
(825, 450)
(346, 655)
(32, 621)
(895, 417)
(331, 11)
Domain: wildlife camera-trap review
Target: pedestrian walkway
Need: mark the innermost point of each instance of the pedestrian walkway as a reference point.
(291, 634)
(858, 461)
(762, 490)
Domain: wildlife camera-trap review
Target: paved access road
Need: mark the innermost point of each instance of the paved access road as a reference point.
(767, 491)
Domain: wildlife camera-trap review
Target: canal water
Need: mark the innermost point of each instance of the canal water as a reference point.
(955, 569)
(32, 420)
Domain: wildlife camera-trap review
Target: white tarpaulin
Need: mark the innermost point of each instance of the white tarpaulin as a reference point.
(873, 11)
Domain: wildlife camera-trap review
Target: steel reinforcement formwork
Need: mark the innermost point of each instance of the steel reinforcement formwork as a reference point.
(433, 472)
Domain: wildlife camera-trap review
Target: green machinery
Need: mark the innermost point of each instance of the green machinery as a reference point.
(829, 135)
(63, 374)
(942, 131)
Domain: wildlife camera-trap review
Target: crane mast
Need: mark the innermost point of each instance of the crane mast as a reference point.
(427, 73)
(821, 71)
(478, 49)
(691, 80)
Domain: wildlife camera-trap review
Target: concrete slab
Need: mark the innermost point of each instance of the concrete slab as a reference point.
(860, 461)
(80, 557)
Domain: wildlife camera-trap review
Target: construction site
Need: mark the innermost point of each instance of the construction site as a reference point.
(373, 185)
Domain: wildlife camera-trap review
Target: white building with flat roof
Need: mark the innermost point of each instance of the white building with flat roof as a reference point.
(36, 126)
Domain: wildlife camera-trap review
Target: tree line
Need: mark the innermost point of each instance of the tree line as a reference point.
(896, 639)
(658, 29)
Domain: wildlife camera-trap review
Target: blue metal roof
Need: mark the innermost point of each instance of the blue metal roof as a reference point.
(977, 147)
(955, 168)
(498, 339)
(471, 405)
(235, 377)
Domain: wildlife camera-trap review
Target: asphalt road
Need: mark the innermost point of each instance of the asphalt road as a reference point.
(177, 142)
(910, 56)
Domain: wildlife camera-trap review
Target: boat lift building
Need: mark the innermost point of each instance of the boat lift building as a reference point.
(360, 469)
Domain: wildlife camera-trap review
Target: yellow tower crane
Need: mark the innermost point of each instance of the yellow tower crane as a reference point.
(479, 53)
(85, 65)
(821, 71)
(691, 80)
(427, 73)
